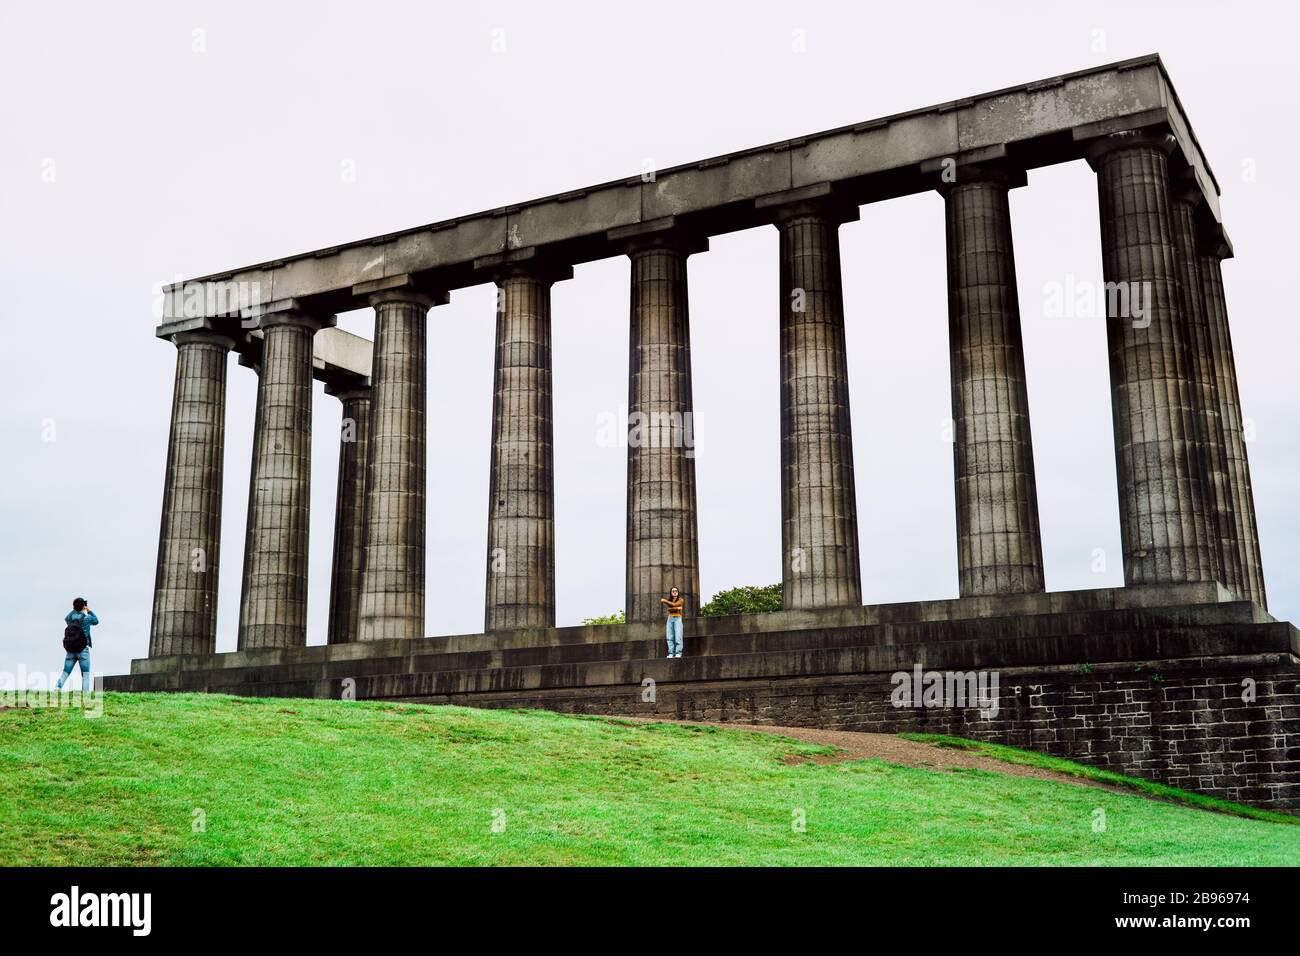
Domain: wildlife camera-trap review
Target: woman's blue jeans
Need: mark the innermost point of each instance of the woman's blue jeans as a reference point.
(82, 659)
(674, 634)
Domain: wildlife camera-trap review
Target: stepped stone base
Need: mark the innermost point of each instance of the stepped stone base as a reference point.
(1183, 684)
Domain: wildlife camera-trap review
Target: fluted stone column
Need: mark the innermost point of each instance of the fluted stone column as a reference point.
(1164, 523)
(819, 524)
(1208, 449)
(1243, 531)
(250, 357)
(392, 589)
(998, 546)
(273, 609)
(662, 535)
(521, 499)
(189, 540)
(349, 512)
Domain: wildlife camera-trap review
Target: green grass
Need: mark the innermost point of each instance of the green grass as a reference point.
(329, 782)
(1150, 788)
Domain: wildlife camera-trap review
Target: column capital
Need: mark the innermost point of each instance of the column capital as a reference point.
(348, 391)
(287, 312)
(400, 288)
(1213, 241)
(1099, 149)
(685, 245)
(525, 262)
(1211, 238)
(819, 200)
(969, 174)
(202, 337)
(664, 233)
(1184, 188)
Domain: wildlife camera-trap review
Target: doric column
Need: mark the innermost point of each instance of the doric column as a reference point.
(521, 499)
(349, 512)
(1206, 437)
(998, 546)
(273, 609)
(1163, 515)
(819, 522)
(189, 540)
(662, 536)
(250, 357)
(1244, 534)
(392, 589)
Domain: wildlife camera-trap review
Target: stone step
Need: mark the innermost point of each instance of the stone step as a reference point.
(950, 610)
(1098, 637)
(966, 654)
(435, 654)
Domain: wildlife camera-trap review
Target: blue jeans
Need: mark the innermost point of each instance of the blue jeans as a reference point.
(83, 659)
(674, 634)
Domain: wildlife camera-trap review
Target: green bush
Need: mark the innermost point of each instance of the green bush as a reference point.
(618, 617)
(744, 600)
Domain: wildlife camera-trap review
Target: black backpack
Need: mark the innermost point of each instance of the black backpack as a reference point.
(74, 638)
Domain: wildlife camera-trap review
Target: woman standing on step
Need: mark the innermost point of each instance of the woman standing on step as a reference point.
(674, 602)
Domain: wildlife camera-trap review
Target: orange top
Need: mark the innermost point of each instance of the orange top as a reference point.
(674, 607)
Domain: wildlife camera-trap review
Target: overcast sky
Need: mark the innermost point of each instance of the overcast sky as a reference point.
(144, 142)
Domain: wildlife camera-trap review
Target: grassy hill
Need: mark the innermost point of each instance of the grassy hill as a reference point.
(194, 779)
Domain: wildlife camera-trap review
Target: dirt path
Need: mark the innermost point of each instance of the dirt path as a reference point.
(856, 745)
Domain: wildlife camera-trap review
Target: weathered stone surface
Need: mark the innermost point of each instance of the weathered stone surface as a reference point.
(392, 588)
(189, 540)
(1164, 525)
(662, 537)
(347, 565)
(1047, 121)
(1209, 452)
(273, 606)
(1243, 535)
(998, 545)
(1199, 599)
(1048, 638)
(338, 356)
(819, 519)
(521, 498)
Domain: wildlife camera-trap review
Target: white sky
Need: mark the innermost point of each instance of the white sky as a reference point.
(167, 161)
